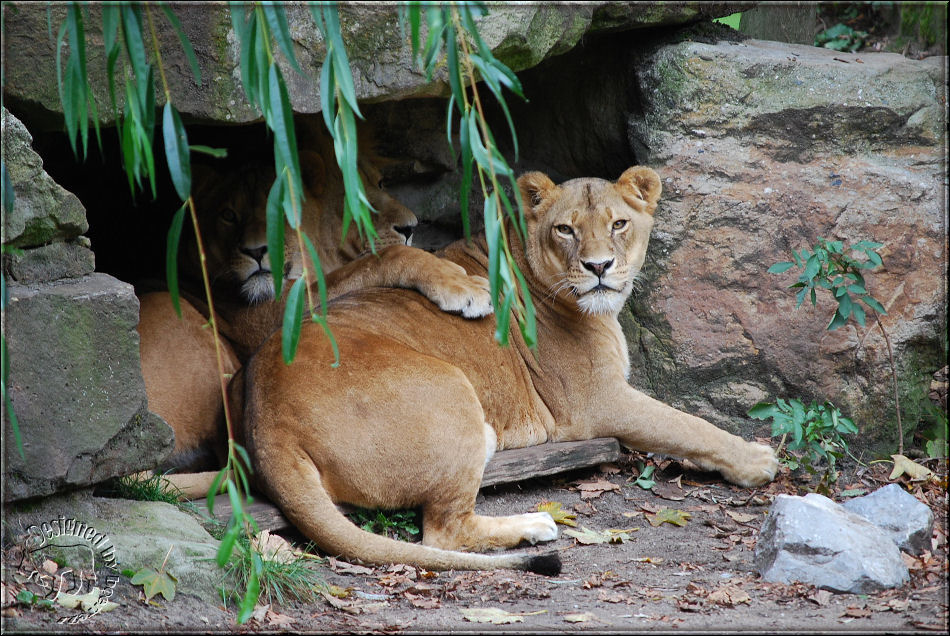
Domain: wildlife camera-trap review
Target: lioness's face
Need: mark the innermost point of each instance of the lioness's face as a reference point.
(587, 238)
(232, 208)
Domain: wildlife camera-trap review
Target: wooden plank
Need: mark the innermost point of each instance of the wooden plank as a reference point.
(517, 464)
(504, 467)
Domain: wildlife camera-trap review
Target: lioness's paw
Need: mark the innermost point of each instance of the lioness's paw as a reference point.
(539, 526)
(462, 294)
(754, 465)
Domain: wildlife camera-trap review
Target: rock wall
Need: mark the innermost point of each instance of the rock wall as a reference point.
(763, 148)
(75, 376)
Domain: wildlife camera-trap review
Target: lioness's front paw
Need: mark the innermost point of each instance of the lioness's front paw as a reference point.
(539, 526)
(754, 465)
(464, 294)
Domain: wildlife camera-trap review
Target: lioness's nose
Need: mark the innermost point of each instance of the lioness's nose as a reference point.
(257, 253)
(405, 230)
(598, 268)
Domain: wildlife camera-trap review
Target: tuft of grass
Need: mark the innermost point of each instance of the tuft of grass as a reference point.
(151, 488)
(293, 578)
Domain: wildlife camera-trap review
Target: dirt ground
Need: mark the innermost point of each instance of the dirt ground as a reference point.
(695, 577)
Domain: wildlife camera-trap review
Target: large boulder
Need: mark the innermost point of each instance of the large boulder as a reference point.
(520, 35)
(76, 387)
(813, 540)
(907, 520)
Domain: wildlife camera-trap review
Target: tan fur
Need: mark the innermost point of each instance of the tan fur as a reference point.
(401, 422)
(178, 356)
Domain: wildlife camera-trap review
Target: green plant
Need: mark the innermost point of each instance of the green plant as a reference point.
(142, 487)
(831, 266)
(841, 37)
(289, 576)
(158, 581)
(397, 524)
(644, 480)
(816, 431)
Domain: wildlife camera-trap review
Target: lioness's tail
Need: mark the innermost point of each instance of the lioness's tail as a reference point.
(299, 493)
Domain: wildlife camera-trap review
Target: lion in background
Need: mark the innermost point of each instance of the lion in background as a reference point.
(179, 357)
(422, 399)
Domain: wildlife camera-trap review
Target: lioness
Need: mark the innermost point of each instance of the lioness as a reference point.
(179, 362)
(422, 398)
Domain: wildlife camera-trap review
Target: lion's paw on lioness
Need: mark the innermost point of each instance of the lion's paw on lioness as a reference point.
(421, 398)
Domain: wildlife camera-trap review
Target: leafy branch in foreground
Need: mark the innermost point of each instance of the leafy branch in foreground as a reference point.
(831, 266)
(467, 58)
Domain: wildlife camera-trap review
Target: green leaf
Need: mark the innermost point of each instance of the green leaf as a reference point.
(293, 314)
(812, 266)
(555, 509)
(176, 151)
(217, 153)
(858, 312)
(227, 544)
(9, 196)
(274, 215)
(185, 43)
(321, 281)
(874, 258)
(778, 268)
(844, 304)
(171, 257)
(154, 583)
(215, 488)
(253, 590)
(274, 14)
(763, 410)
(281, 122)
(875, 305)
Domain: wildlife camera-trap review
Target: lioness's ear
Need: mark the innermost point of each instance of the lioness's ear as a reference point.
(535, 187)
(640, 188)
(313, 171)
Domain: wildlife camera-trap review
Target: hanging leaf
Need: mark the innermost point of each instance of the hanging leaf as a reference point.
(906, 466)
(185, 43)
(176, 151)
(171, 257)
(293, 314)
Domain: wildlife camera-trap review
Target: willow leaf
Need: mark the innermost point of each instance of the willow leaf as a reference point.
(185, 43)
(293, 314)
(176, 151)
(277, 20)
(275, 232)
(171, 256)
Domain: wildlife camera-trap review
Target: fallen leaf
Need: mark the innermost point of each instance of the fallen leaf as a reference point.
(50, 567)
(607, 596)
(342, 567)
(337, 591)
(554, 508)
(279, 620)
(668, 515)
(653, 560)
(273, 547)
(494, 615)
(260, 611)
(588, 536)
(609, 469)
(741, 517)
(857, 612)
(423, 602)
(580, 618)
(85, 602)
(153, 583)
(729, 595)
(668, 490)
(820, 597)
(906, 466)
(596, 487)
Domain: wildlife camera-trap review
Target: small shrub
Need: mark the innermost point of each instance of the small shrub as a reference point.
(396, 524)
(816, 430)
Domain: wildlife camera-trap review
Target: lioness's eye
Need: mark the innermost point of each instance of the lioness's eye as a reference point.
(566, 230)
(620, 224)
(228, 215)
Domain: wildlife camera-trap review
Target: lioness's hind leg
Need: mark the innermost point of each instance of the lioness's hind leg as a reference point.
(478, 532)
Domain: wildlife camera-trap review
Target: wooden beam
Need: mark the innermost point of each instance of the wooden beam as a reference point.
(505, 466)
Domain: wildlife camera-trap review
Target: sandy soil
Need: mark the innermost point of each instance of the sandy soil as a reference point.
(695, 577)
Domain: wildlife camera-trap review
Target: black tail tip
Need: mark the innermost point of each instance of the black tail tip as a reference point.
(548, 564)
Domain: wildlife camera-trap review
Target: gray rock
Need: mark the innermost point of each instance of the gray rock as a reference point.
(141, 533)
(813, 540)
(520, 35)
(50, 262)
(909, 521)
(76, 387)
(42, 210)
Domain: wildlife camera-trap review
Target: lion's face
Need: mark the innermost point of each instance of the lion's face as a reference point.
(587, 238)
(232, 217)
